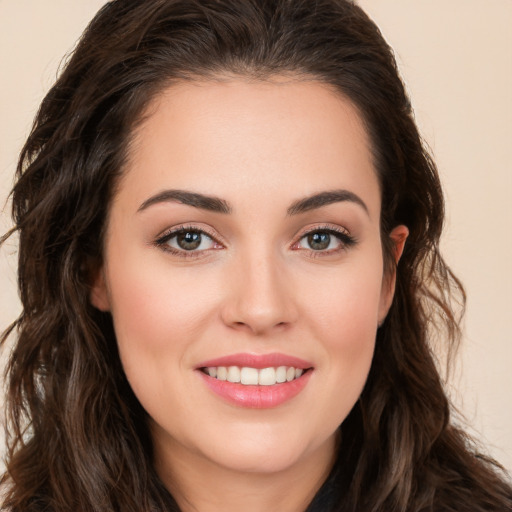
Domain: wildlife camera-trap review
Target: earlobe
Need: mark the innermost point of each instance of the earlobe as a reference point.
(99, 294)
(398, 237)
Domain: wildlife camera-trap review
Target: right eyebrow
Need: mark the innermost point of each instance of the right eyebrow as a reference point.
(202, 201)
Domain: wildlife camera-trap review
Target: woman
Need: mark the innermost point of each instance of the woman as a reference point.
(228, 260)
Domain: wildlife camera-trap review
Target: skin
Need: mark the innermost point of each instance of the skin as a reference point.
(255, 286)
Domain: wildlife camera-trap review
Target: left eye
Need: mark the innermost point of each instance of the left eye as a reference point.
(188, 240)
(320, 241)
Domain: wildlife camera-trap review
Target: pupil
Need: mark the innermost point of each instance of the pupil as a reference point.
(189, 240)
(319, 241)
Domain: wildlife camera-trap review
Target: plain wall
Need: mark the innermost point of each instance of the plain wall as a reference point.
(456, 59)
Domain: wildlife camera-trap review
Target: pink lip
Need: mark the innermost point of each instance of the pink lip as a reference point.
(257, 361)
(256, 397)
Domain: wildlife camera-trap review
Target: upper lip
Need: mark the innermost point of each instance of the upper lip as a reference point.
(259, 361)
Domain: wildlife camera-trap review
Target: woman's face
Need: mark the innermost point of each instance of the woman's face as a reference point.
(243, 244)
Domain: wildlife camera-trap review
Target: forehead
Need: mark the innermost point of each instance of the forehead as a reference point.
(293, 137)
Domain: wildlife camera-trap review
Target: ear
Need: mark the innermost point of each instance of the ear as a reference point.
(99, 293)
(398, 237)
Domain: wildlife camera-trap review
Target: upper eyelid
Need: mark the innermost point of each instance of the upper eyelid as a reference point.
(344, 236)
(321, 227)
(170, 232)
(163, 239)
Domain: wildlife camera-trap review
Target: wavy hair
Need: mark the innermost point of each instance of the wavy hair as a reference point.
(77, 436)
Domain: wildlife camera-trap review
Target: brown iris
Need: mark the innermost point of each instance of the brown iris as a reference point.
(319, 241)
(188, 240)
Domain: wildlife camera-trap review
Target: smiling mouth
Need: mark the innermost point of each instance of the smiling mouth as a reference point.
(255, 376)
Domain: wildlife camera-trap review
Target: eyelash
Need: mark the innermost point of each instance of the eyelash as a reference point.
(346, 241)
(162, 241)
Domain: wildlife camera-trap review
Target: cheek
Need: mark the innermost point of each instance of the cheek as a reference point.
(151, 300)
(345, 316)
(346, 303)
(157, 317)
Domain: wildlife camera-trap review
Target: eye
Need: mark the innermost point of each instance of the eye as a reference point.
(325, 240)
(187, 240)
(190, 241)
(319, 241)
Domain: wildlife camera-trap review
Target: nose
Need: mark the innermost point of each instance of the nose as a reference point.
(260, 296)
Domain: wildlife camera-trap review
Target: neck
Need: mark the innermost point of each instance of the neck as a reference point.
(201, 485)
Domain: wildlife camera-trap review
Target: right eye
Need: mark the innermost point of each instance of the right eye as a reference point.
(187, 242)
(190, 241)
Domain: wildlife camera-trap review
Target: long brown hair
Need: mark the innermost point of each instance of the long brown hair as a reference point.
(77, 436)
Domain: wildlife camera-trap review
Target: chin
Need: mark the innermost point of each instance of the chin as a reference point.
(268, 451)
(257, 461)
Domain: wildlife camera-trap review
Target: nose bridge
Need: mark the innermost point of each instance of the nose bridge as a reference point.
(260, 298)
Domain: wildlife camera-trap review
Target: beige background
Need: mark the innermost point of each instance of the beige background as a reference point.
(456, 58)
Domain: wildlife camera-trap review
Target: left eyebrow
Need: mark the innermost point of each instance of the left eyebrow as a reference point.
(323, 199)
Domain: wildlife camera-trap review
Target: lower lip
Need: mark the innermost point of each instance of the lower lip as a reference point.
(256, 397)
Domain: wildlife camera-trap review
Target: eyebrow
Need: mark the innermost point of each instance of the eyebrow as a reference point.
(215, 204)
(323, 199)
(204, 202)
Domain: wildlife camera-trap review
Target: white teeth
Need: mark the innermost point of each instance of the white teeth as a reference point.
(249, 376)
(281, 374)
(253, 376)
(233, 374)
(267, 377)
